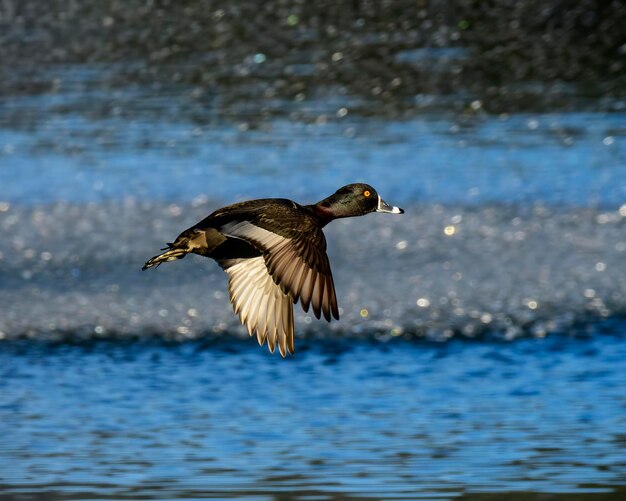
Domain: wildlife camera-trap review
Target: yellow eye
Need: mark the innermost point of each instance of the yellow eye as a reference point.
(367, 193)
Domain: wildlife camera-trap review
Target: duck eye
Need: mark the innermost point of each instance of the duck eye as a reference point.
(366, 193)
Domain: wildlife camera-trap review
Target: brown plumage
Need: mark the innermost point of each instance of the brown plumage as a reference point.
(274, 252)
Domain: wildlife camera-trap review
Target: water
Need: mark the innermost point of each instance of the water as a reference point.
(218, 419)
(61, 147)
(480, 352)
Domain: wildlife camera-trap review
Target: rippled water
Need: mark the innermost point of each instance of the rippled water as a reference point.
(480, 352)
(348, 420)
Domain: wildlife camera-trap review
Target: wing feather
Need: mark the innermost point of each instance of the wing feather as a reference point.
(305, 287)
(298, 264)
(261, 304)
(316, 297)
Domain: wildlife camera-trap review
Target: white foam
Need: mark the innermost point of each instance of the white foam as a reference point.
(76, 269)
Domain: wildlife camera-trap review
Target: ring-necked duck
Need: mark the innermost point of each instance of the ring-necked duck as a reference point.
(274, 252)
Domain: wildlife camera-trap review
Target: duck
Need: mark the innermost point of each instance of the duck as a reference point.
(274, 253)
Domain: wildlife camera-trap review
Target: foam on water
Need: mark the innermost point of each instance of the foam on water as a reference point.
(438, 271)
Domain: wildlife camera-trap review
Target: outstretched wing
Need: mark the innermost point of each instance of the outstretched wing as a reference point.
(297, 263)
(261, 304)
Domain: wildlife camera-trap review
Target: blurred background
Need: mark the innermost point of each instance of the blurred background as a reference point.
(480, 353)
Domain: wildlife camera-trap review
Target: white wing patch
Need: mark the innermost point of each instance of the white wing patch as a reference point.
(248, 231)
(261, 304)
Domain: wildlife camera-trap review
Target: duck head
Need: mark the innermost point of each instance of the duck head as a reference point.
(352, 200)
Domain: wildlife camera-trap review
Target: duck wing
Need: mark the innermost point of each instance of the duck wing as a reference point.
(260, 303)
(294, 251)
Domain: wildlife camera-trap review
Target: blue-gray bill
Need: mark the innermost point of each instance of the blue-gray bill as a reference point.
(385, 207)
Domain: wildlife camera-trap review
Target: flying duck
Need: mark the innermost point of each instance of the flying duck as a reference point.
(274, 252)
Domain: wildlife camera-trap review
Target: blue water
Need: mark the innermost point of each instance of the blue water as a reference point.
(399, 421)
(494, 160)
(83, 147)
(481, 348)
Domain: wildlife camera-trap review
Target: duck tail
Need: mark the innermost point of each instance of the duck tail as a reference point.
(170, 255)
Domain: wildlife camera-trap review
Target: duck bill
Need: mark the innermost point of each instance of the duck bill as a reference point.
(385, 207)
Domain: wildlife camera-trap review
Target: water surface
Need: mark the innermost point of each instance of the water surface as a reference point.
(480, 352)
(350, 420)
